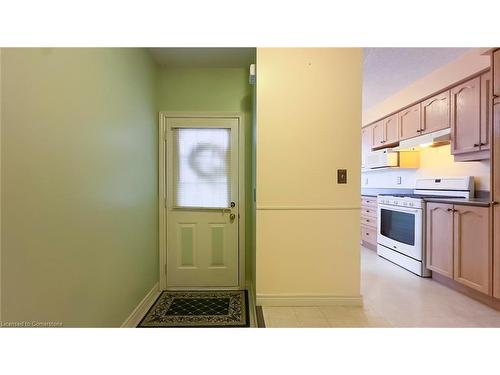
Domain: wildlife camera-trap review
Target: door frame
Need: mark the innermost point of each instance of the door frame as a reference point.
(162, 191)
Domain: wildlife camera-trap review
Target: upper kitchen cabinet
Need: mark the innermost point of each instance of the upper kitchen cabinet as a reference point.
(471, 115)
(435, 113)
(391, 129)
(378, 134)
(496, 76)
(409, 122)
(385, 132)
(486, 110)
(465, 117)
(366, 142)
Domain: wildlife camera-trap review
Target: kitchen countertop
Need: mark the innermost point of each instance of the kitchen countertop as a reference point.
(483, 202)
(373, 192)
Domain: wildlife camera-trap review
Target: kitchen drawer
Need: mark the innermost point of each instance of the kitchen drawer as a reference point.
(369, 211)
(369, 201)
(369, 221)
(369, 235)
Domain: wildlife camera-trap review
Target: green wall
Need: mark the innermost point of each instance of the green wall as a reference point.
(215, 90)
(79, 184)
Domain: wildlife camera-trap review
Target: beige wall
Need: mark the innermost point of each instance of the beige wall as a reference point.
(467, 65)
(79, 184)
(307, 230)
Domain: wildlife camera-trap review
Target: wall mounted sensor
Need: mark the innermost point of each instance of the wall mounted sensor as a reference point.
(252, 77)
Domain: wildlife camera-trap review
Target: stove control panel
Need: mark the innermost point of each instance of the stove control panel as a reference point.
(400, 201)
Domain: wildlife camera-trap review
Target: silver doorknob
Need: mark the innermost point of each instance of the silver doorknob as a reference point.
(232, 217)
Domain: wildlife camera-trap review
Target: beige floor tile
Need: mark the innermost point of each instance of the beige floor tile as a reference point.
(280, 317)
(282, 323)
(393, 297)
(311, 317)
(360, 323)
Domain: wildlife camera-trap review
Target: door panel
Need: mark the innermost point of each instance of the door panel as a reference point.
(486, 110)
(465, 117)
(202, 185)
(496, 251)
(496, 197)
(439, 238)
(366, 142)
(391, 129)
(409, 122)
(496, 76)
(378, 134)
(436, 113)
(472, 250)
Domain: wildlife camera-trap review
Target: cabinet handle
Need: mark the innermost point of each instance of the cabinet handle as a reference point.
(495, 96)
(482, 144)
(476, 144)
(450, 209)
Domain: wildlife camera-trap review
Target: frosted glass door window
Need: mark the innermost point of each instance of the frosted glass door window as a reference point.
(202, 167)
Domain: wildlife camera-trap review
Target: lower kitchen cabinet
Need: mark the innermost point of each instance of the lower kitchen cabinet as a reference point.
(472, 247)
(369, 222)
(369, 235)
(458, 244)
(439, 238)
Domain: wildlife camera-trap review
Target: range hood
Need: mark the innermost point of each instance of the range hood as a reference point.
(432, 139)
(385, 158)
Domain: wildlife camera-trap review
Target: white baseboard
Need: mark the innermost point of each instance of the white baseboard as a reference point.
(142, 308)
(308, 300)
(251, 303)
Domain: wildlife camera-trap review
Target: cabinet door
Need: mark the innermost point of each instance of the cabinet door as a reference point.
(439, 238)
(472, 248)
(496, 198)
(366, 142)
(496, 76)
(465, 116)
(486, 111)
(436, 113)
(496, 252)
(409, 122)
(391, 128)
(378, 134)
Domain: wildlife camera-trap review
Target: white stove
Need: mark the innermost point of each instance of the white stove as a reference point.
(401, 220)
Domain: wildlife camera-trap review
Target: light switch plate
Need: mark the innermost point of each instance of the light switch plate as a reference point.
(341, 176)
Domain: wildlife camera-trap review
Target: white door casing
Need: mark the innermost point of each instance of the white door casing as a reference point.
(200, 244)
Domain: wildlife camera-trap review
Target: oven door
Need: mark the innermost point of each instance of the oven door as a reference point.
(400, 229)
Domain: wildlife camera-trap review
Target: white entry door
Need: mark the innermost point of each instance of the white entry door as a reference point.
(202, 202)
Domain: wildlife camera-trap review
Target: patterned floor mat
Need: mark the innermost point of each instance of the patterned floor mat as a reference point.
(198, 309)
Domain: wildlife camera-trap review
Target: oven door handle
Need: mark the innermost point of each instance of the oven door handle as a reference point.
(399, 209)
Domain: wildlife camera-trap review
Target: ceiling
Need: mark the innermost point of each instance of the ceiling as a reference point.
(204, 57)
(388, 70)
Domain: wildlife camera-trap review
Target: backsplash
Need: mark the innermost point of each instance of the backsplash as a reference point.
(434, 161)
